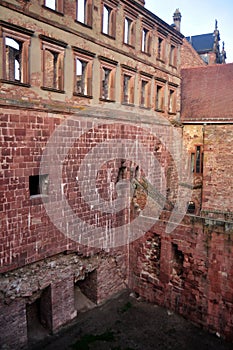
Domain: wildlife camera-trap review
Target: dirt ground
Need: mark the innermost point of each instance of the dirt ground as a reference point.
(128, 323)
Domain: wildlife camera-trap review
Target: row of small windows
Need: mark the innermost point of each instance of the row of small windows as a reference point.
(16, 69)
(84, 16)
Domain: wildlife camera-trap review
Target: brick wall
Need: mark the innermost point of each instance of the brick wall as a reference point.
(189, 273)
(218, 158)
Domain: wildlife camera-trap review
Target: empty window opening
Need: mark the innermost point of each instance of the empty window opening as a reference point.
(146, 41)
(128, 89)
(171, 102)
(85, 292)
(160, 48)
(13, 59)
(191, 207)
(83, 77)
(56, 5)
(109, 21)
(159, 103)
(38, 185)
(53, 68)
(84, 12)
(173, 57)
(39, 316)
(108, 84)
(178, 260)
(197, 160)
(129, 32)
(145, 94)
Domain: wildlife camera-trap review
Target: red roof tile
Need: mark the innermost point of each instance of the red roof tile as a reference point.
(207, 93)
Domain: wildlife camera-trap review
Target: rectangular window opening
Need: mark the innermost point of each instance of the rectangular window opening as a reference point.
(109, 21)
(38, 185)
(15, 62)
(84, 12)
(128, 89)
(160, 48)
(145, 94)
(55, 5)
(146, 41)
(159, 103)
(197, 160)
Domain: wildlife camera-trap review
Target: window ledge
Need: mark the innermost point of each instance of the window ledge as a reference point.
(38, 199)
(146, 53)
(52, 89)
(128, 104)
(14, 82)
(172, 65)
(83, 24)
(129, 45)
(172, 113)
(159, 110)
(160, 60)
(52, 10)
(82, 95)
(144, 107)
(106, 100)
(109, 36)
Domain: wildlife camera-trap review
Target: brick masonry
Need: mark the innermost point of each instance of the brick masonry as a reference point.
(193, 276)
(188, 271)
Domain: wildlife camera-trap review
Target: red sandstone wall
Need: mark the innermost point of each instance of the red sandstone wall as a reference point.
(189, 56)
(189, 271)
(218, 161)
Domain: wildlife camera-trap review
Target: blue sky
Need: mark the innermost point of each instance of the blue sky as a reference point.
(198, 17)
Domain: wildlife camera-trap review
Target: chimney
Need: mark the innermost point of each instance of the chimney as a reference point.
(177, 19)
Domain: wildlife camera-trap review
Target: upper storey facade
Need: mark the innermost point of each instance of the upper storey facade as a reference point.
(89, 52)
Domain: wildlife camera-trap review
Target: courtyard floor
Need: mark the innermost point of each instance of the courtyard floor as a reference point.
(127, 323)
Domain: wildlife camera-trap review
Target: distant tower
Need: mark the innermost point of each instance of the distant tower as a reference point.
(177, 19)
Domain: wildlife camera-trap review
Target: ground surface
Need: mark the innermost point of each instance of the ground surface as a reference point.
(125, 323)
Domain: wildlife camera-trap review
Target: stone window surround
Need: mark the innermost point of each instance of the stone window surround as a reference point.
(110, 65)
(85, 56)
(146, 78)
(24, 36)
(55, 47)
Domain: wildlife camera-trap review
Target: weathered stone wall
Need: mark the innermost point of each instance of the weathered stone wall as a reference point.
(189, 273)
(189, 56)
(218, 158)
(57, 276)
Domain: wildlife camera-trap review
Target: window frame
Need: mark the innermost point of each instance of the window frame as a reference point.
(23, 36)
(172, 98)
(55, 47)
(84, 56)
(173, 55)
(147, 42)
(147, 93)
(160, 100)
(59, 6)
(111, 20)
(193, 160)
(160, 51)
(131, 74)
(107, 64)
(88, 13)
(131, 31)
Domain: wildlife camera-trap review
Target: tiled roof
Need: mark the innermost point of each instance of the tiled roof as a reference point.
(207, 93)
(202, 43)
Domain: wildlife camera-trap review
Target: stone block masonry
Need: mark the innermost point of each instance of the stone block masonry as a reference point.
(194, 276)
